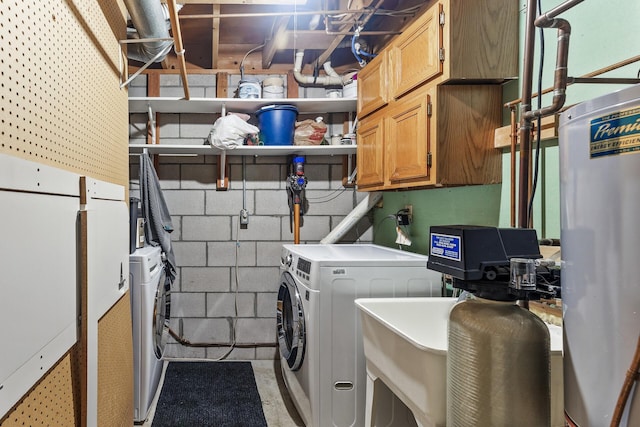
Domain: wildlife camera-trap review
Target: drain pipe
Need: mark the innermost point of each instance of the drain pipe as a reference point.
(370, 200)
(527, 116)
(150, 21)
(331, 79)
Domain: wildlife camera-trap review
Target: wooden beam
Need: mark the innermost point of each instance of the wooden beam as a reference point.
(215, 36)
(548, 130)
(272, 45)
(301, 39)
(244, 2)
(179, 47)
(153, 90)
(292, 86)
(222, 83)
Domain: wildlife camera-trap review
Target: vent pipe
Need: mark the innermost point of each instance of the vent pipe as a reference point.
(149, 18)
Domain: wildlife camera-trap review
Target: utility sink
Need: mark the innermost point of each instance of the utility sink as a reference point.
(405, 346)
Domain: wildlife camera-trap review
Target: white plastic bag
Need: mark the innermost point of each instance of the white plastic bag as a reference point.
(230, 131)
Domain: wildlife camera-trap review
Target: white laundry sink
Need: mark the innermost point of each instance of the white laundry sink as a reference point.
(405, 346)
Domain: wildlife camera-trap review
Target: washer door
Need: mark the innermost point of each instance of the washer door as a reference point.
(290, 319)
(161, 314)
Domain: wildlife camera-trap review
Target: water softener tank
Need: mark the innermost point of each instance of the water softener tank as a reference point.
(498, 366)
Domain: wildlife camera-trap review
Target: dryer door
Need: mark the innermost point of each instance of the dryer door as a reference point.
(290, 320)
(161, 314)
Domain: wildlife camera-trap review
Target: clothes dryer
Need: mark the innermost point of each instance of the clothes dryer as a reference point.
(319, 332)
(150, 309)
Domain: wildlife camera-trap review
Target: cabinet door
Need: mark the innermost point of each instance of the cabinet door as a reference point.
(409, 139)
(372, 85)
(370, 154)
(415, 55)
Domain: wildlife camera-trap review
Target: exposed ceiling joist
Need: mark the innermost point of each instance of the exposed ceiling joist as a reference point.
(276, 41)
(245, 2)
(215, 36)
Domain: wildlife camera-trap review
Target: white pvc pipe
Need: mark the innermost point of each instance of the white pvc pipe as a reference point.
(333, 79)
(352, 218)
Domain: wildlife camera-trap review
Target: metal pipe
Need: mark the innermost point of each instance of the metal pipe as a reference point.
(560, 73)
(603, 80)
(595, 73)
(525, 124)
(285, 13)
(514, 141)
(558, 10)
(244, 182)
(546, 20)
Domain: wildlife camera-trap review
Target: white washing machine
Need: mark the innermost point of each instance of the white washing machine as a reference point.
(150, 308)
(319, 331)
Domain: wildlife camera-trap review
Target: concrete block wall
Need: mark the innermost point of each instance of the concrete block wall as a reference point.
(228, 277)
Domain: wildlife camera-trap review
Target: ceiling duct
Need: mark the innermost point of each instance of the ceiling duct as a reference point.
(149, 18)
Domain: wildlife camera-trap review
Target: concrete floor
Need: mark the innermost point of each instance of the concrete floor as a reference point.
(276, 403)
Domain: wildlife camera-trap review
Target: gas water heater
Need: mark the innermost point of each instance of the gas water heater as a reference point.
(599, 143)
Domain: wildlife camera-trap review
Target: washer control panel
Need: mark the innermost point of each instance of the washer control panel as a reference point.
(303, 268)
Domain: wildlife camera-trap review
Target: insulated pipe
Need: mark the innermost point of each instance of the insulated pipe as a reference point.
(149, 20)
(332, 79)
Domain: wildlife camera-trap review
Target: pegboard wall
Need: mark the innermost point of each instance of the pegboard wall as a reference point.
(61, 105)
(55, 400)
(115, 370)
(60, 70)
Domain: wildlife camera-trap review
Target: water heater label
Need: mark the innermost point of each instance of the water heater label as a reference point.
(615, 133)
(445, 246)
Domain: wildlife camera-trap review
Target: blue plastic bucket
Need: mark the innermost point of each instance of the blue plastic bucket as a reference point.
(277, 123)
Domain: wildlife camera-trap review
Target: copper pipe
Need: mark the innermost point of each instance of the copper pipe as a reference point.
(630, 378)
(525, 124)
(514, 142)
(595, 73)
(296, 223)
(560, 73)
(546, 20)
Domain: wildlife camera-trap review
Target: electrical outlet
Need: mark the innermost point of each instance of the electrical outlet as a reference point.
(244, 217)
(403, 218)
(409, 209)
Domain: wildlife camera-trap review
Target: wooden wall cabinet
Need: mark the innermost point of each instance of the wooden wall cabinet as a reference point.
(370, 158)
(429, 103)
(373, 82)
(440, 135)
(470, 41)
(415, 55)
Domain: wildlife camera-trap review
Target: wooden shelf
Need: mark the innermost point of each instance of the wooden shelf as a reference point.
(257, 151)
(248, 106)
